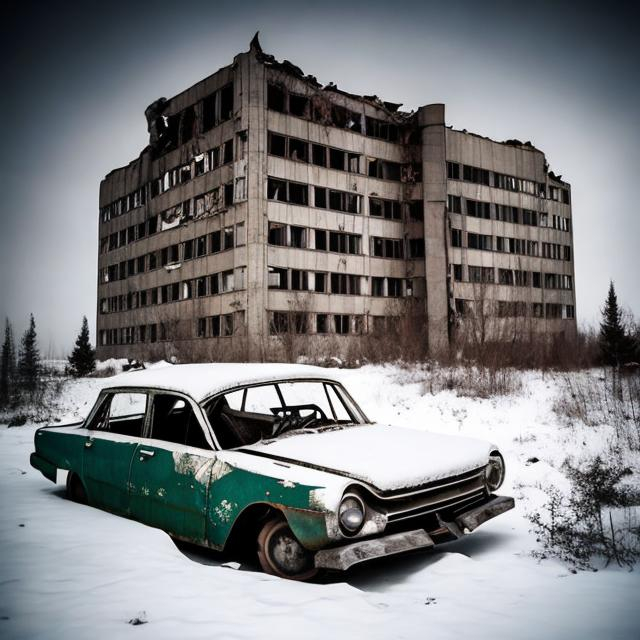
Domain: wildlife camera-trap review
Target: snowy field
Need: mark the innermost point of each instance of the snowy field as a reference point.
(71, 571)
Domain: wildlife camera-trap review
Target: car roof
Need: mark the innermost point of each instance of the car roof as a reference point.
(203, 380)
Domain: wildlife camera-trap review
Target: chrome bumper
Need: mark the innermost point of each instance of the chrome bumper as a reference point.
(341, 558)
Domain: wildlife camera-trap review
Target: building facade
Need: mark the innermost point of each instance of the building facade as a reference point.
(268, 209)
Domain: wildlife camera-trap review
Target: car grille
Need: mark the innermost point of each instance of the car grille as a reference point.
(449, 494)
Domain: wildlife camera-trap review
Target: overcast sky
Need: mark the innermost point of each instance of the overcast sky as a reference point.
(76, 81)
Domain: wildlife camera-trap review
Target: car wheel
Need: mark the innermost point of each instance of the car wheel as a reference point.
(281, 554)
(75, 490)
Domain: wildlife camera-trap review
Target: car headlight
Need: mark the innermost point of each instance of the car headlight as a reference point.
(351, 514)
(494, 471)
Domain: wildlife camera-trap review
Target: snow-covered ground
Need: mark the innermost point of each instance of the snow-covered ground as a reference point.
(71, 571)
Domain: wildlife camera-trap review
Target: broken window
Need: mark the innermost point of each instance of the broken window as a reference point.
(209, 112)
(415, 210)
(226, 102)
(453, 171)
(341, 324)
(276, 190)
(278, 234)
(279, 323)
(227, 324)
(298, 105)
(456, 237)
(342, 201)
(201, 287)
(416, 247)
(214, 158)
(278, 278)
(214, 284)
(201, 246)
(336, 159)
(320, 197)
(457, 272)
(227, 153)
(228, 194)
(298, 193)
(379, 129)
(215, 242)
(322, 323)
(214, 326)
(187, 122)
(478, 209)
(275, 98)
(298, 237)
(298, 150)
(454, 204)
(474, 174)
(227, 280)
(319, 155)
(481, 274)
(201, 328)
(241, 234)
(299, 280)
(277, 145)
(321, 239)
(394, 287)
(187, 290)
(479, 241)
(228, 238)
(320, 282)
(377, 287)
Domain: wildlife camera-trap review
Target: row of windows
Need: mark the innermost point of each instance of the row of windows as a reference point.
(321, 110)
(338, 283)
(467, 173)
(510, 308)
(517, 246)
(209, 285)
(197, 166)
(211, 202)
(173, 255)
(339, 159)
(220, 326)
(344, 201)
(505, 213)
(283, 235)
(178, 129)
(513, 277)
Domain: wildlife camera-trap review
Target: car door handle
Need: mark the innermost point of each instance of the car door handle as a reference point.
(145, 453)
(88, 444)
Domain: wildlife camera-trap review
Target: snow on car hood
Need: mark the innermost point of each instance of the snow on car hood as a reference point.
(386, 457)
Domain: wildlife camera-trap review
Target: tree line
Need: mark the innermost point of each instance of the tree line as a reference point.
(22, 369)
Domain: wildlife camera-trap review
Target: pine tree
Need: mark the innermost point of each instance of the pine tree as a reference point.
(82, 360)
(615, 344)
(29, 360)
(7, 363)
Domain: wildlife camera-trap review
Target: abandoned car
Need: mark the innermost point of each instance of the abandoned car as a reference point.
(276, 456)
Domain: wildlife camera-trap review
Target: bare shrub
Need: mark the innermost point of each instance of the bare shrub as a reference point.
(471, 381)
(609, 398)
(586, 525)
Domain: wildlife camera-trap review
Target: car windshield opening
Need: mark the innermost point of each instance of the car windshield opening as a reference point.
(245, 416)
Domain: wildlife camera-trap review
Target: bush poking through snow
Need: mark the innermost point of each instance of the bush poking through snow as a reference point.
(596, 521)
(611, 398)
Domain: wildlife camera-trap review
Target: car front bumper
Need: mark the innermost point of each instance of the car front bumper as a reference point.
(345, 556)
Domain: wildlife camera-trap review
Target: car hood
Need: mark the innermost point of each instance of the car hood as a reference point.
(388, 458)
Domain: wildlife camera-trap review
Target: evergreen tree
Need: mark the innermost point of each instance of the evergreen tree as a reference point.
(82, 360)
(29, 360)
(7, 363)
(615, 344)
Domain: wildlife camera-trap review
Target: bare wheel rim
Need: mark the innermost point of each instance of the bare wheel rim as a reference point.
(281, 553)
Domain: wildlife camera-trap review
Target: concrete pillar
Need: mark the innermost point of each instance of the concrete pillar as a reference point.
(434, 183)
(254, 106)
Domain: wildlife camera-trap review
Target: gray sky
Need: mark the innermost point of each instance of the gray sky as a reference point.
(77, 81)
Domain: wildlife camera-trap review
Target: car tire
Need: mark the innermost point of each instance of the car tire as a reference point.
(281, 554)
(75, 489)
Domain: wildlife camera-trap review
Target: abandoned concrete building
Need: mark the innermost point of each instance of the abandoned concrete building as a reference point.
(267, 206)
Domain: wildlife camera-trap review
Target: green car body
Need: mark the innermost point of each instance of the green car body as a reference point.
(206, 494)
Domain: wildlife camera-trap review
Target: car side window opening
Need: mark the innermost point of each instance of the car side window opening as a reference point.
(122, 413)
(173, 420)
